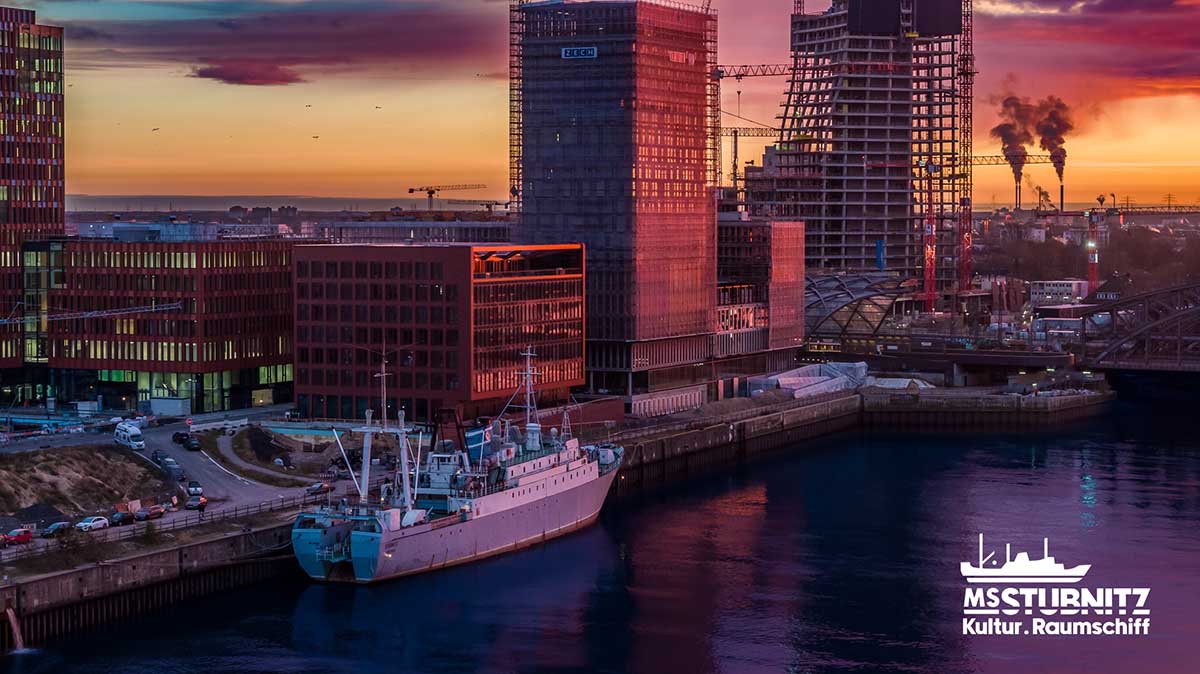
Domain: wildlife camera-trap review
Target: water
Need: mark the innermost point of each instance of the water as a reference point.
(842, 558)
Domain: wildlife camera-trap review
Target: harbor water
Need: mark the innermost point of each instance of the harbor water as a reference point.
(842, 555)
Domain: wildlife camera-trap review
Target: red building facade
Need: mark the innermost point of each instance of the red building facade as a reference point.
(31, 144)
(100, 321)
(451, 321)
(618, 149)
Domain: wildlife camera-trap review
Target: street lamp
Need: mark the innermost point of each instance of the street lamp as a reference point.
(383, 374)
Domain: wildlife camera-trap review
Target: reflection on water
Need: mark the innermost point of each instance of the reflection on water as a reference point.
(843, 557)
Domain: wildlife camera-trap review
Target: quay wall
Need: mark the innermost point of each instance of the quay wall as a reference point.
(938, 411)
(66, 602)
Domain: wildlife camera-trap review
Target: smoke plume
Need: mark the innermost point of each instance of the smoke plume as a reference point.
(1014, 132)
(1054, 123)
(1022, 121)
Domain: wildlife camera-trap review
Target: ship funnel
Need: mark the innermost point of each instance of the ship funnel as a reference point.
(533, 437)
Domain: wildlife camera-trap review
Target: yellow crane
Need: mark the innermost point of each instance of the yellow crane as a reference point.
(433, 190)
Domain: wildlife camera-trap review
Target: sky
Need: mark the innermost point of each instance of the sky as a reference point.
(367, 98)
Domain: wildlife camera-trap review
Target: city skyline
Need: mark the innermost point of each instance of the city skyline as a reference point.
(263, 96)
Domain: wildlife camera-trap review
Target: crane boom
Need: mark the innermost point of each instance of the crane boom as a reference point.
(759, 70)
(103, 313)
(432, 190)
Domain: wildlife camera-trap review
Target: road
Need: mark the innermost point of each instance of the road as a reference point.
(223, 488)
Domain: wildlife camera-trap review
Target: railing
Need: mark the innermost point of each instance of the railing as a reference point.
(41, 546)
(731, 417)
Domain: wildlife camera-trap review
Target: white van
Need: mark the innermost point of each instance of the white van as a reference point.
(129, 436)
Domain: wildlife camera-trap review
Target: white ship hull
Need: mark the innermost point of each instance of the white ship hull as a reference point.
(558, 502)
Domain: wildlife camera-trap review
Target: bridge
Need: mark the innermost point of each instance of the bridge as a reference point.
(1156, 331)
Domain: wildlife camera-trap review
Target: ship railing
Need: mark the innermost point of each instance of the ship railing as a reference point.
(334, 553)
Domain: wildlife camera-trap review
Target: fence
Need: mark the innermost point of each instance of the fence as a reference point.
(728, 418)
(41, 546)
(223, 425)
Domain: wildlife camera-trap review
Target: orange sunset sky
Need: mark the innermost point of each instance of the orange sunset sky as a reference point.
(408, 92)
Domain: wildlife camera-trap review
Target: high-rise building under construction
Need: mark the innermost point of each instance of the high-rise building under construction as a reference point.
(872, 155)
(614, 144)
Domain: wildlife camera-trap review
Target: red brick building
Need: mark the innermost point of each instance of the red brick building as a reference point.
(31, 144)
(228, 345)
(451, 319)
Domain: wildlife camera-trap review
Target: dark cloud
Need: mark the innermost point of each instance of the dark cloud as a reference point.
(277, 44)
(1083, 7)
(1122, 48)
(248, 73)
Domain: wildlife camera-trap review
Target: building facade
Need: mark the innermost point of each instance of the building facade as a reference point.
(123, 323)
(760, 268)
(870, 143)
(404, 230)
(451, 321)
(615, 116)
(1064, 291)
(32, 198)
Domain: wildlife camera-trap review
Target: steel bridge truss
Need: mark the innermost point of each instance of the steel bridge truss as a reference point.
(1156, 331)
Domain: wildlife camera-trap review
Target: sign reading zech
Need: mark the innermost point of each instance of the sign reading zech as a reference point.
(579, 52)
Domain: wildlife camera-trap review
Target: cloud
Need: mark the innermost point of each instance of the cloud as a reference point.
(248, 73)
(262, 43)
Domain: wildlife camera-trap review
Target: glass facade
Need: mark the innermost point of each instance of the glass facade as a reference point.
(451, 320)
(31, 144)
(618, 110)
(210, 321)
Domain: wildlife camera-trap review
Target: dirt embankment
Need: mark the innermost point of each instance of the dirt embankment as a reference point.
(77, 480)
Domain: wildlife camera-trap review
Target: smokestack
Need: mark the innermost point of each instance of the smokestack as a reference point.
(1017, 200)
(1062, 198)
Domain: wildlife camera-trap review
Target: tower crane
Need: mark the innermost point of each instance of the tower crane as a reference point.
(103, 313)
(491, 206)
(433, 190)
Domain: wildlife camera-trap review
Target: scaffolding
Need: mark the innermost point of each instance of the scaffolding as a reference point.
(615, 135)
(516, 116)
(863, 118)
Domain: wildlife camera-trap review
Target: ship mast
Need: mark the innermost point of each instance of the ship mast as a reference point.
(403, 435)
(530, 403)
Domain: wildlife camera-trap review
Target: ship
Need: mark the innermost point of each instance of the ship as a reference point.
(1022, 569)
(512, 488)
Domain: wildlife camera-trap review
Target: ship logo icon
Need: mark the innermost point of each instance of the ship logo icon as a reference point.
(1021, 569)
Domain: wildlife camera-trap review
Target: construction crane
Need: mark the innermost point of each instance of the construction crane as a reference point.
(736, 133)
(103, 313)
(489, 205)
(761, 70)
(433, 190)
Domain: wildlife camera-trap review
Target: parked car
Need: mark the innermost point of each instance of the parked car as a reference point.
(195, 502)
(194, 489)
(55, 529)
(192, 444)
(121, 519)
(150, 513)
(178, 437)
(92, 524)
(18, 536)
(318, 489)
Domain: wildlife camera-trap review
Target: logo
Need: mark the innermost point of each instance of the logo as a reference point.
(579, 52)
(1040, 597)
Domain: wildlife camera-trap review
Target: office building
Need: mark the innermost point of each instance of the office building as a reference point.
(1051, 293)
(122, 323)
(31, 137)
(452, 320)
(614, 118)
